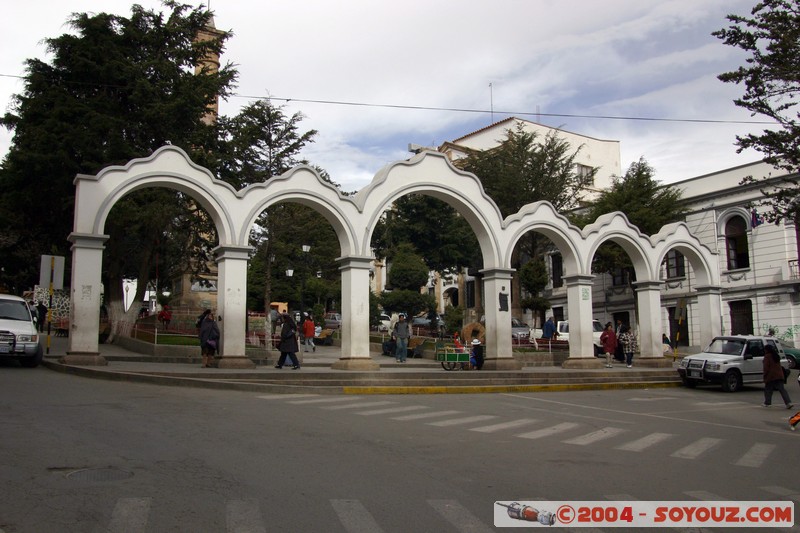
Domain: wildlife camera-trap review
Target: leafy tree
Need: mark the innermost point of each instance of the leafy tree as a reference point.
(647, 204)
(771, 78)
(116, 89)
(441, 236)
(407, 274)
(533, 277)
(525, 168)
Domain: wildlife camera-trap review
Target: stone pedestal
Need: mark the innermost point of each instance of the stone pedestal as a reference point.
(235, 362)
(502, 363)
(83, 359)
(652, 362)
(583, 363)
(356, 363)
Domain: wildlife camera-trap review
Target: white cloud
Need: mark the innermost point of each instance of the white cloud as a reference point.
(616, 57)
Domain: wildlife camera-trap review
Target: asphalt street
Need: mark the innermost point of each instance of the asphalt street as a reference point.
(86, 455)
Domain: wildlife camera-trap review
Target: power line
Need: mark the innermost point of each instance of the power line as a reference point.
(513, 113)
(477, 111)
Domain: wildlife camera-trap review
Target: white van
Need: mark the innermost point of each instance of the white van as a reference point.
(562, 326)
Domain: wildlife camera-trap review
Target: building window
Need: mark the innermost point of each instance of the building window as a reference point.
(741, 317)
(736, 243)
(470, 288)
(557, 265)
(619, 277)
(584, 174)
(558, 314)
(676, 265)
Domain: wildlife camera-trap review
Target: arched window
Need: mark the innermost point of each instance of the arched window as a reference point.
(736, 243)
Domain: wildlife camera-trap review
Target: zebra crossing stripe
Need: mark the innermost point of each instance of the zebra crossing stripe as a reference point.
(329, 399)
(244, 516)
(594, 436)
(547, 432)
(459, 516)
(460, 421)
(285, 396)
(354, 517)
(129, 515)
(356, 405)
(756, 455)
(783, 492)
(390, 410)
(645, 442)
(696, 449)
(505, 425)
(421, 416)
(704, 495)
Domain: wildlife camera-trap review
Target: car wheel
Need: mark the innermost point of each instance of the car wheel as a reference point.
(33, 361)
(732, 381)
(792, 362)
(689, 383)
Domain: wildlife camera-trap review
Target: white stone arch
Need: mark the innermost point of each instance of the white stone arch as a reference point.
(167, 167)
(542, 217)
(432, 174)
(354, 219)
(303, 185)
(704, 262)
(615, 227)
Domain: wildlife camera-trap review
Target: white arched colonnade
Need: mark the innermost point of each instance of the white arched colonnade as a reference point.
(353, 219)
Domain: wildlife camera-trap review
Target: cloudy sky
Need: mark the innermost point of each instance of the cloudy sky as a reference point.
(546, 61)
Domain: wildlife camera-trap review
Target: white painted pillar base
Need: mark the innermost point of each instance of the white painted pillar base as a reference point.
(648, 297)
(497, 353)
(85, 298)
(232, 305)
(709, 307)
(579, 301)
(355, 315)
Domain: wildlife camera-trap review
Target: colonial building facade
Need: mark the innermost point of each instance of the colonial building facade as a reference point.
(757, 264)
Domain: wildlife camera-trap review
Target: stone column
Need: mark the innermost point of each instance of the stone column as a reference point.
(709, 313)
(85, 291)
(648, 299)
(232, 305)
(355, 315)
(579, 302)
(497, 307)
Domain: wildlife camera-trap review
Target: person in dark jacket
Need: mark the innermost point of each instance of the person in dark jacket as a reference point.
(209, 337)
(773, 377)
(288, 344)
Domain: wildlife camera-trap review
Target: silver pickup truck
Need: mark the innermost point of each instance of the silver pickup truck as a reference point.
(730, 361)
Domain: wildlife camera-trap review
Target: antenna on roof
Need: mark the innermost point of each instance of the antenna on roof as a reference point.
(491, 102)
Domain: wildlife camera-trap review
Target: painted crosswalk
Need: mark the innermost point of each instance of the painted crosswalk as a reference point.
(256, 515)
(572, 433)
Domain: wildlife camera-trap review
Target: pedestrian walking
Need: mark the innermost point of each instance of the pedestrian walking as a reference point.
(288, 343)
(609, 341)
(774, 377)
(209, 337)
(628, 341)
(41, 310)
(309, 330)
(549, 331)
(402, 332)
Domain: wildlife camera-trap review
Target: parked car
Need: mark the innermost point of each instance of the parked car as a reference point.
(562, 326)
(333, 321)
(730, 362)
(19, 336)
(383, 322)
(423, 322)
(519, 329)
(792, 354)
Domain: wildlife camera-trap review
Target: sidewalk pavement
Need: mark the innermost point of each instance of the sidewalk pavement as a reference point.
(420, 376)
